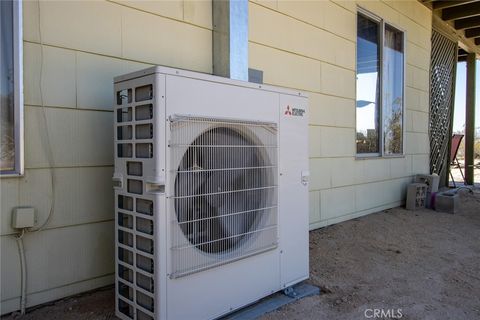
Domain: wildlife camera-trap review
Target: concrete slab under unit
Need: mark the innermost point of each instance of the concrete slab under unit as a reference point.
(273, 302)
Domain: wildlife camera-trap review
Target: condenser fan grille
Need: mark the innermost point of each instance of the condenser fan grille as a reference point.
(224, 198)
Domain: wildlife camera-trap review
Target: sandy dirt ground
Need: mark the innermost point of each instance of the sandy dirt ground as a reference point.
(414, 264)
(424, 262)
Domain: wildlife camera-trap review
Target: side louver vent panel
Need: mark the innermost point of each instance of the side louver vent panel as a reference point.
(135, 215)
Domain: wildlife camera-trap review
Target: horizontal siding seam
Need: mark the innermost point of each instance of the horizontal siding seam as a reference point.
(419, 111)
(63, 286)
(159, 15)
(311, 91)
(88, 52)
(72, 167)
(362, 183)
(359, 213)
(417, 67)
(303, 21)
(68, 108)
(416, 88)
(301, 55)
(330, 126)
(387, 4)
(419, 47)
(64, 226)
(344, 8)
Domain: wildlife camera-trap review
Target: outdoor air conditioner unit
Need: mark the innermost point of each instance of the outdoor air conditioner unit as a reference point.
(211, 193)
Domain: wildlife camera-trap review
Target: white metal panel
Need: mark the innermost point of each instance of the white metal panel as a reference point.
(229, 286)
(212, 293)
(209, 293)
(187, 96)
(293, 192)
(206, 77)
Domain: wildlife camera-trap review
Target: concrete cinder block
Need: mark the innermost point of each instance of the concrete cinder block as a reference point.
(431, 180)
(416, 196)
(447, 202)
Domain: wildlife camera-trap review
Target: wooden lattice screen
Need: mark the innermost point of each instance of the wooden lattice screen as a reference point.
(442, 94)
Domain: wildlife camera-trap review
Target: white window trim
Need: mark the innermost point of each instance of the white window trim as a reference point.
(381, 154)
(18, 92)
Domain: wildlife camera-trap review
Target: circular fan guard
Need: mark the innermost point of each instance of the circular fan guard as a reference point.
(215, 205)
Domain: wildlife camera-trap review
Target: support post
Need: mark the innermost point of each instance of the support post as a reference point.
(470, 119)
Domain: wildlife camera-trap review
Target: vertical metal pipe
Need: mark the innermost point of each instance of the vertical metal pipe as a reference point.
(230, 38)
(470, 119)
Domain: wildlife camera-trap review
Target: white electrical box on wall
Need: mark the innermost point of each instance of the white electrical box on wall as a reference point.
(23, 217)
(211, 193)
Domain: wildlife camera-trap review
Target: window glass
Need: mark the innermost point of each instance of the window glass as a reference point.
(368, 85)
(393, 91)
(7, 97)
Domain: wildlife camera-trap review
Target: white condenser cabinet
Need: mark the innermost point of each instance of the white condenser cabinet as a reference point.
(211, 193)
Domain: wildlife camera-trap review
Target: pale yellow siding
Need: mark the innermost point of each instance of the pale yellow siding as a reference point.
(310, 45)
(73, 49)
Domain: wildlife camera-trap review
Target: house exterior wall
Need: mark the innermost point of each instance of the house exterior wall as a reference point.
(73, 49)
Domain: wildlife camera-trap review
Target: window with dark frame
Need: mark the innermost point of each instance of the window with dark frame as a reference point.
(380, 87)
(10, 102)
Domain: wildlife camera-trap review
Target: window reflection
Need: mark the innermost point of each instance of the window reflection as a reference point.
(7, 103)
(368, 68)
(393, 91)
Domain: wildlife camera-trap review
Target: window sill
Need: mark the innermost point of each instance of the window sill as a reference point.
(11, 175)
(377, 156)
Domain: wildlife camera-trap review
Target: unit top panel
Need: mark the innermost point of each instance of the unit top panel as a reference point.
(206, 77)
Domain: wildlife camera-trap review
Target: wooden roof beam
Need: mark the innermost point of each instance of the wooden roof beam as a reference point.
(461, 11)
(448, 4)
(472, 33)
(467, 23)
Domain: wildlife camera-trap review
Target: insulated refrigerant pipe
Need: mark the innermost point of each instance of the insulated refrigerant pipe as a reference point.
(23, 269)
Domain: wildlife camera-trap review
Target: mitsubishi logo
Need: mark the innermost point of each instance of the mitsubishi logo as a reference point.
(296, 112)
(288, 112)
